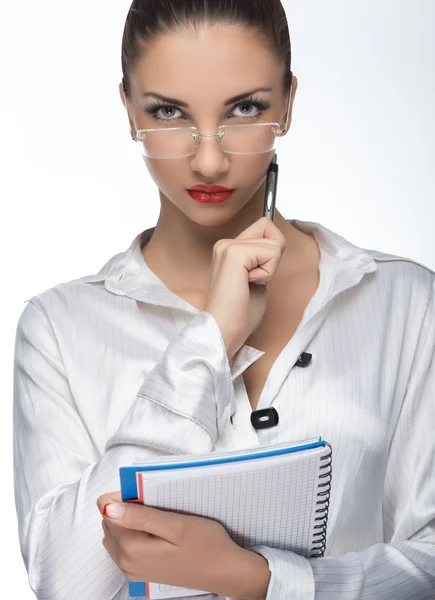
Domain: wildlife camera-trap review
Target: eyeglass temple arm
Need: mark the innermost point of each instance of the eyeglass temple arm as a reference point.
(289, 104)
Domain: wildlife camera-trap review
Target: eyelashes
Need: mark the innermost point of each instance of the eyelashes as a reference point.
(154, 109)
(258, 103)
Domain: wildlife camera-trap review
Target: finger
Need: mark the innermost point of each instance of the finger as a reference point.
(161, 523)
(111, 545)
(109, 532)
(124, 538)
(107, 498)
(109, 540)
(266, 242)
(263, 228)
(261, 258)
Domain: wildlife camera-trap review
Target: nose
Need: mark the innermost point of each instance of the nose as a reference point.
(210, 160)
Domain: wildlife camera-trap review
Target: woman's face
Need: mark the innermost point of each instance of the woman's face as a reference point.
(204, 71)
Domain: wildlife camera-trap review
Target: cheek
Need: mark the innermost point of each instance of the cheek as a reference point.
(249, 172)
(254, 167)
(168, 174)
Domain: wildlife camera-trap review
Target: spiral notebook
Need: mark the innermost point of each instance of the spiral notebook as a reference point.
(276, 495)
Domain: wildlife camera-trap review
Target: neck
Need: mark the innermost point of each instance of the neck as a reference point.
(180, 251)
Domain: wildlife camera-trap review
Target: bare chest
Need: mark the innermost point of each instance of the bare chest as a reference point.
(285, 310)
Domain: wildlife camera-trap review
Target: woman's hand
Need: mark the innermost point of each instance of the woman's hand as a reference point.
(159, 546)
(236, 297)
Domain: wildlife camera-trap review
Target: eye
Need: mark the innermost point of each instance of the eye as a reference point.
(248, 106)
(164, 112)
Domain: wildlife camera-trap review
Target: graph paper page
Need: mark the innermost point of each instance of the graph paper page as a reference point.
(269, 502)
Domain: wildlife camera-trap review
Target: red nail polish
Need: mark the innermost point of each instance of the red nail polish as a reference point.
(104, 509)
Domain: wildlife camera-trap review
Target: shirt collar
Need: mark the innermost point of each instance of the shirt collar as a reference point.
(342, 266)
(127, 274)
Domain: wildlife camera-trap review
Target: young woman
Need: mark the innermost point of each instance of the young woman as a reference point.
(172, 345)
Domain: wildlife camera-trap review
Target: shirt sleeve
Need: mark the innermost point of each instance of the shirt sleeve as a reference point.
(403, 568)
(58, 471)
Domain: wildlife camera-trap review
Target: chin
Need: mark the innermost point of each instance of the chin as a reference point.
(208, 215)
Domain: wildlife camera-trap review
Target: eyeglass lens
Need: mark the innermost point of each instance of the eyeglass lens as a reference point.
(237, 139)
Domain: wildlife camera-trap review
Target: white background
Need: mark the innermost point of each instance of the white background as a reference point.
(360, 157)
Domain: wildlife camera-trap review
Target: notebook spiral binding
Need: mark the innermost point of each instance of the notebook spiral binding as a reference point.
(319, 541)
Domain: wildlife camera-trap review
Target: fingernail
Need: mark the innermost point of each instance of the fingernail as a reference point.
(114, 511)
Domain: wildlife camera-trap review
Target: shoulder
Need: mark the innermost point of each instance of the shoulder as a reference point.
(399, 272)
(66, 301)
(71, 290)
(403, 290)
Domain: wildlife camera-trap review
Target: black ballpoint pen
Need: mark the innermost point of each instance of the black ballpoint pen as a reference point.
(271, 189)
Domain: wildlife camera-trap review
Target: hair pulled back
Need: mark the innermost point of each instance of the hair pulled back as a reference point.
(149, 18)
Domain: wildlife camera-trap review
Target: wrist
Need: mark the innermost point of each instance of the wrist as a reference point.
(251, 576)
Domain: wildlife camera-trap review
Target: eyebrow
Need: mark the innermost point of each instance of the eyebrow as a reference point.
(226, 103)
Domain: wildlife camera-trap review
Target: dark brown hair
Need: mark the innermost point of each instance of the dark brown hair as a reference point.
(148, 18)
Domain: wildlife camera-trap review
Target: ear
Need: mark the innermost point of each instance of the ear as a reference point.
(288, 117)
(121, 93)
(124, 102)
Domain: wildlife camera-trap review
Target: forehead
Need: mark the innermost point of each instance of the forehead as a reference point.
(217, 61)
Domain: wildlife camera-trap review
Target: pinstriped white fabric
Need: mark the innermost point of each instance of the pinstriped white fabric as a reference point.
(114, 366)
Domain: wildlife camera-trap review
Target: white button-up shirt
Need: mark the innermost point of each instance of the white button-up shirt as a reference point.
(115, 366)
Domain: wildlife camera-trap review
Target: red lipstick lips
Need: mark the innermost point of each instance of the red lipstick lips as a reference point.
(209, 189)
(210, 194)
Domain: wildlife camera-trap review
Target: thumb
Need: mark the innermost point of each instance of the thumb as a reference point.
(107, 498)
(160, 523)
